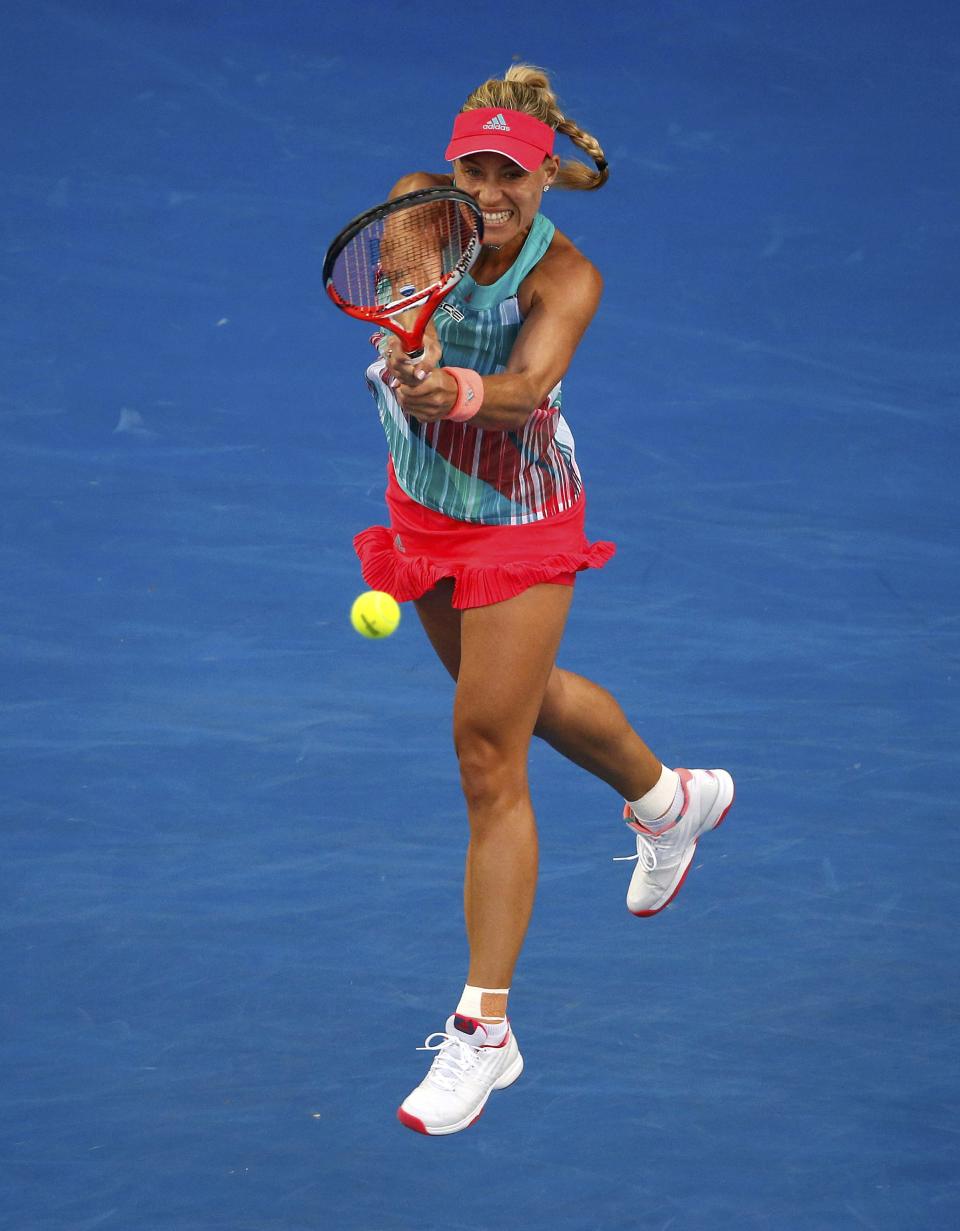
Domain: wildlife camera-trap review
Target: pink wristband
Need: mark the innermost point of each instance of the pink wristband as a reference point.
(469, 394)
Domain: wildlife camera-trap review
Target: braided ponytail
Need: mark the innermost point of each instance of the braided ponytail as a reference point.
(524, 87)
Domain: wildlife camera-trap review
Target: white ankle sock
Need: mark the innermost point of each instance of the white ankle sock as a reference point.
(662, 803)
(480, 1034)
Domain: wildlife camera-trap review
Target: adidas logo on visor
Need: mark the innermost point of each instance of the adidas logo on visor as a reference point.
(498, 123)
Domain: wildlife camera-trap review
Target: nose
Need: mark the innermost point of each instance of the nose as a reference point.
(488, 195)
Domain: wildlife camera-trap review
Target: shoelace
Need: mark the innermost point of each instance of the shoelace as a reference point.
(454, 1059)
(646, 854)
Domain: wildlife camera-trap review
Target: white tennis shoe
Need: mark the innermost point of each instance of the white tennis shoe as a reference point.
(464, 1072)
(664, 859)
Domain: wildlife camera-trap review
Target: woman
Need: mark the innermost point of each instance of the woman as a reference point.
(486, 536)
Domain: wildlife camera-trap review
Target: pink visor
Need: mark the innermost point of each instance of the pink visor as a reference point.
(519, 136)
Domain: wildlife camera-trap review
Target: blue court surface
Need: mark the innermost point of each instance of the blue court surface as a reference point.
(232, 829)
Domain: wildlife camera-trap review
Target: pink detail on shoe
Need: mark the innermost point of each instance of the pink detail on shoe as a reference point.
(410, 1121)
(646, 914)
(639, 827)
(723, 815)
(418, 1126)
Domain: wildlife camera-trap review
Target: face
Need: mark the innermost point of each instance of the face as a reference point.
(508, 195)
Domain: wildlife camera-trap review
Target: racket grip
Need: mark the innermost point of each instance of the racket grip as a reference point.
(415, 354)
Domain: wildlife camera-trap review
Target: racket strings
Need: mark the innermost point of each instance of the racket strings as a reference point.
(405, 254)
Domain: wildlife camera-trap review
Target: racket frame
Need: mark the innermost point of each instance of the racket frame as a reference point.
(427, 299)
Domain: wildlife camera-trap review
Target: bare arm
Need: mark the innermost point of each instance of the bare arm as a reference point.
(563, 300)
(560, 297)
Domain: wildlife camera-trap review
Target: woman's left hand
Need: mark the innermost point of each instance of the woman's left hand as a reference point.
(427, 395)
(422, 389)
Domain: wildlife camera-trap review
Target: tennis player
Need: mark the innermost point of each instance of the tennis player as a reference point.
(486, 536)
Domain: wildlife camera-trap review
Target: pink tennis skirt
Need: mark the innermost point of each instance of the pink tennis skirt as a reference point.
(488, 564)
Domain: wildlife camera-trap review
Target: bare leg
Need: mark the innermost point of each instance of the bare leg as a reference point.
(578, 718)
(584, 723)
(507, 654)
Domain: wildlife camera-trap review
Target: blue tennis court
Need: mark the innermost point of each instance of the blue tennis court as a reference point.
(232, 829)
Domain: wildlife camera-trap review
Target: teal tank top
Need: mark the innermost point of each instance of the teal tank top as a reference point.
(475, 474)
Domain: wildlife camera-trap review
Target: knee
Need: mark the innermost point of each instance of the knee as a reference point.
(491, 773)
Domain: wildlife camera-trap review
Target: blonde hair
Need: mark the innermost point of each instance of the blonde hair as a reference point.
(524, 87)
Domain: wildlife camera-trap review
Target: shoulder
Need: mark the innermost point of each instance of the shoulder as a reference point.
(563, 261)
(563, 270)
(417, 180)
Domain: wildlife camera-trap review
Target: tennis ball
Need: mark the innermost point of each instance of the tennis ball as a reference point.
(374, 614)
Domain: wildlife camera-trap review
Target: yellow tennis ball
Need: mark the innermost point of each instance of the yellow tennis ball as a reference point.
(374, 614)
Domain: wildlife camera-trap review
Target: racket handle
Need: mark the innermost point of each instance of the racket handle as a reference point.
(415, 354)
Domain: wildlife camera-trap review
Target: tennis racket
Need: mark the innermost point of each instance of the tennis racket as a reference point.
(393, 265)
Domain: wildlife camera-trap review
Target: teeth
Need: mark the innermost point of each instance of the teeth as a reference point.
(502, 216)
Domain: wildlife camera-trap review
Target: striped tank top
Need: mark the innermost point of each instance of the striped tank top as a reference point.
(472, 474)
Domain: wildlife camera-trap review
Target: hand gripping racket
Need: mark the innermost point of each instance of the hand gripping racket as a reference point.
(402, 259)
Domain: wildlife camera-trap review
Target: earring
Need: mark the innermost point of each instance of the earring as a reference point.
(546, 188)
